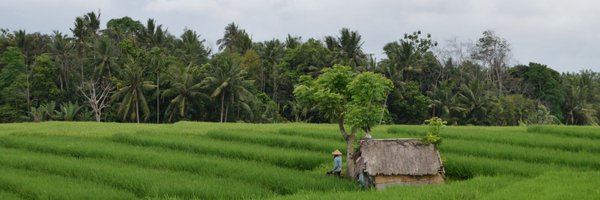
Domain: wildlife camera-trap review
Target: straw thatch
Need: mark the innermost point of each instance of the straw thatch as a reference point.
(398, 157)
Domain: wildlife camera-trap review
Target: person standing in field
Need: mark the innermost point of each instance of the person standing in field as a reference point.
(337, 163)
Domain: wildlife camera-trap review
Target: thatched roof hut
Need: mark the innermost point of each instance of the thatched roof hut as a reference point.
(387, 162)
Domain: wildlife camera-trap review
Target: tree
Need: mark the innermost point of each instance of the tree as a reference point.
(493, 52)
(85, 29)
(97, 94)
(347, 48)
(43, 87)
(122, 28)
(474, 102)
(104, 58)
(130, 92)
(191, 48)
(60, 49)
(13, 102)
(185, 90)
(339, 94)
(228, 82)
(234, 40)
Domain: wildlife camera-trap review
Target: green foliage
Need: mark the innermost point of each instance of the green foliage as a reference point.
(433, 136)
(43, 87)
(408, 105)
(67, 112)
(369, 91)
(131, 87)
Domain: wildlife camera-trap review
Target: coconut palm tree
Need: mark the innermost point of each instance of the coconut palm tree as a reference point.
(185, 88)
(234, 40)
(104, 58)
(191, 48)
(130, 92)
(347, 48)
(228, 82)
(60, 48)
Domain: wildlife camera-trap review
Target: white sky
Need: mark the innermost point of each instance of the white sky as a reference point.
(562, 34)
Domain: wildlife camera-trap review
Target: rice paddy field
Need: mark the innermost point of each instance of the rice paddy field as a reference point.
(189, 160)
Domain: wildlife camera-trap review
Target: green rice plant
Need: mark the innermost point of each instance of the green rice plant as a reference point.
(34, 185)
(527, 154)
(513, 138)
(290, 158)
(277, 179)
(475, 188)
(568, 131)
(459, 166)
(553, 185)
(142, 182)
(277, 140)
(4, 195)
(331, 135)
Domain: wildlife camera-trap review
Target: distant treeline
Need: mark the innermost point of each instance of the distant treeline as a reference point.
(136, 72)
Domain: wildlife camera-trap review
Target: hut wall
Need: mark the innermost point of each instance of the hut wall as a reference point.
(385, 181)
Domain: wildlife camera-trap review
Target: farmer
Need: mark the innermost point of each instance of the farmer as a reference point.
(337, 162)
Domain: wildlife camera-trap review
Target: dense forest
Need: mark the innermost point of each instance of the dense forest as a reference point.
(139, 72)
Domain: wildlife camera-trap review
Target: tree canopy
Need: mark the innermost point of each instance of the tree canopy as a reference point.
(136, 70)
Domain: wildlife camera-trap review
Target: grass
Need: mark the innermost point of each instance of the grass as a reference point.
(290, 158)
(475, 188)
(567, 131)
(190, 160)
(33, 185)
(277, 140)
(140, 181)
(277, 179)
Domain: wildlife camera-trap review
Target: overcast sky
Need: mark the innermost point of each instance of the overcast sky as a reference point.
(562, 34)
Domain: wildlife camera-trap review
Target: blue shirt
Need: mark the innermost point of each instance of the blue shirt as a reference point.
(337, 164)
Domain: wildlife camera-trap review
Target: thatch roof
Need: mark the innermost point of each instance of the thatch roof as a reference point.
(398, 157)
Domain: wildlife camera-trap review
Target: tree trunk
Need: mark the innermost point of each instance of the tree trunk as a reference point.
(137, 112)
(158, 97)
(349, 138)
(222, 106)
(226, 112)
(349, 156)
(28, 93)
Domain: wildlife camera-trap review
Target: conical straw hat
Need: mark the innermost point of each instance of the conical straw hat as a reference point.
(337, 152)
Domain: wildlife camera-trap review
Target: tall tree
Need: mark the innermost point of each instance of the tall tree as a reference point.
(43, 87)
(234, 40)
(130, 90)
(191, 48)
(60, 49)
(12, 85)
(494, 53)
(186, 89)
(228, 82)
(347, 48)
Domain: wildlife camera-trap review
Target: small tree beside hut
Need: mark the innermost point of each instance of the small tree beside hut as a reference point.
(346, 98)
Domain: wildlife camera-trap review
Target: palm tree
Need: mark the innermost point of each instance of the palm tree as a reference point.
(347, 48)
(85, 28)
(104, 58)
(23, 41)
(130, 92)
(272, 53)
(185, 87)
(234, 40)
(60, 48)
(228, 79)
(474, 102)
(191, 48)
(153, 35)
